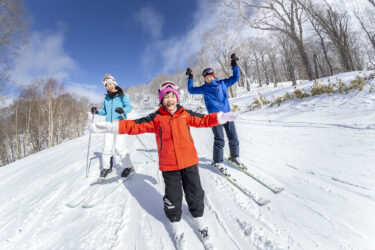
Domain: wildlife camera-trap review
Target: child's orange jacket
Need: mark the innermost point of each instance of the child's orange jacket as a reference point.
(175, 144)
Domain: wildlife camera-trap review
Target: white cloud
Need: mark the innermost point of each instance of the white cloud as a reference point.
(174, 52)
(86, 90)
(6, 101)
(44, 56)
(151, 21)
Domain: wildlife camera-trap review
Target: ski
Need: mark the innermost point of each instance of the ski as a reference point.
(103, 196)
(77, 200)
(273, 188)
(92, 203)
(91, 190)
(256, 198)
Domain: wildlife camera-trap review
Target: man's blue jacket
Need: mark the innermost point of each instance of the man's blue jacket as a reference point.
(215, 93)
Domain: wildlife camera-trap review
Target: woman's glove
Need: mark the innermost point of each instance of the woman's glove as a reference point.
(226, 117)
(94, 110)
(104, 127)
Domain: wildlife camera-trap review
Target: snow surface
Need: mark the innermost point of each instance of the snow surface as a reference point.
(320, 150)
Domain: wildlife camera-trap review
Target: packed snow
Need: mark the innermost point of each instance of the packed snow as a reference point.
(319, 149)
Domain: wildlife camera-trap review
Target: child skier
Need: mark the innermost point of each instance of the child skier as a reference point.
(178, 159)
(116, 102)
(216, 100)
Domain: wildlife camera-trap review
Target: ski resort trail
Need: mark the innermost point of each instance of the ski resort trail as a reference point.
(326, 171)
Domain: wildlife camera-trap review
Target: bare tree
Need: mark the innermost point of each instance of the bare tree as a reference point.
(222, 46)
(14, 28)
(282, 16)
(367, 21)
(288, 51)
(41, 109)
(334, 22)
(323, 46)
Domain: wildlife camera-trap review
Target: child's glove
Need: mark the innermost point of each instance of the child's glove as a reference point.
(104, 127)
(226, 117)
(233, 59)
(189, 73)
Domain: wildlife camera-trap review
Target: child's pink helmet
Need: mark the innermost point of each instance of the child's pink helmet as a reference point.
(165, 87)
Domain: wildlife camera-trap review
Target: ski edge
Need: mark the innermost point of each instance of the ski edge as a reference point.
(274, 190)
(258, 200)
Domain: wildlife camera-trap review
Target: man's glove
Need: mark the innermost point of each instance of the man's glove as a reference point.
(189, 73)
(104, 127)
(226, 117)
(233, 59)
(119, 110)
(94, 110)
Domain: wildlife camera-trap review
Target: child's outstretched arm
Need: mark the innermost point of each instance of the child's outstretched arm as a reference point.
(199, 120)
(131, 127)
(139, 126)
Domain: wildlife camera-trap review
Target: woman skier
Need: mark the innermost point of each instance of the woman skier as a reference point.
(116, 106)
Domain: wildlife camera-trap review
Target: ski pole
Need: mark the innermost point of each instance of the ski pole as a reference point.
(243, 72)
(88, 151)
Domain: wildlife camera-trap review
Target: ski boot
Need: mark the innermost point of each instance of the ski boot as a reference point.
(178, 236)
(106, 171)
(238, 162)
(200, 223)
(220, 166)
(127, 172)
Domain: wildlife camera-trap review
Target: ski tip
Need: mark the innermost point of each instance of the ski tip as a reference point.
(70, 205)
(278, 190)
(262, 203)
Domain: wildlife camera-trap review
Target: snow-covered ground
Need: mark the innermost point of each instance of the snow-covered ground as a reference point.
(320, 150)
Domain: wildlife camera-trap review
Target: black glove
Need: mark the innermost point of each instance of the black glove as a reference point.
(189, 73)
(94, 110)
(233, 59)
(119, 110)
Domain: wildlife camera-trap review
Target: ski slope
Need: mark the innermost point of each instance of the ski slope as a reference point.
(320, 150)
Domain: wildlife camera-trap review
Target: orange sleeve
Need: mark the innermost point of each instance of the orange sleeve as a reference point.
(200, 121)
(139, 126)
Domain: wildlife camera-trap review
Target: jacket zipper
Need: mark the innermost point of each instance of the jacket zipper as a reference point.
(161, 137)
(112, 111)
(170, 126)
(217, 95)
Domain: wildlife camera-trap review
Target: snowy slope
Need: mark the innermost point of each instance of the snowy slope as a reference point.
(320, 150)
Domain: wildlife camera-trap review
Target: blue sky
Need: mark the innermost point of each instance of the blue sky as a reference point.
(78, 41)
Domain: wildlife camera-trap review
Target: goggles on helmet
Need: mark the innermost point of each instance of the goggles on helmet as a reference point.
(167, 84)
(207, 71)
